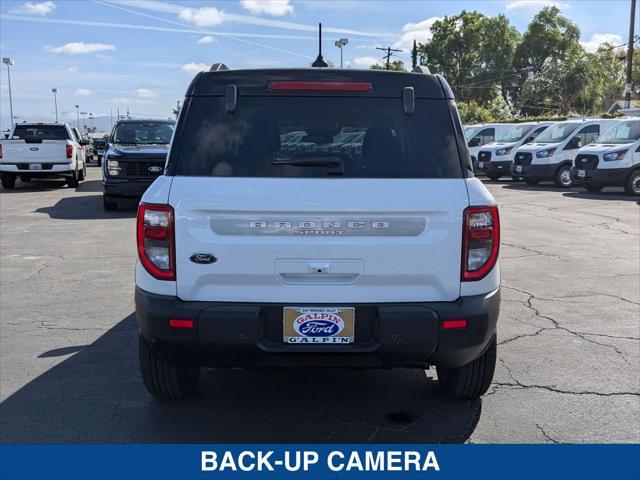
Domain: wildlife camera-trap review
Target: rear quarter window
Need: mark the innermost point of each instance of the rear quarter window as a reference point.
(318, 137)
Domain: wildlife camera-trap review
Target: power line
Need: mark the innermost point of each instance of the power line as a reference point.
(390, 51)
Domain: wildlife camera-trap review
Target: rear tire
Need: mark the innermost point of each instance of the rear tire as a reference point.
(473, 379)
(563, 177)
(163, 378)
(83, 173)
(72, 181)
(532, 182)
(8, 181)
(493, 177)
(631, 186)
(592, 188)
(108, 204)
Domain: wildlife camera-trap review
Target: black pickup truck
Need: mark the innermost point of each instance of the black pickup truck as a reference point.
(134, 158)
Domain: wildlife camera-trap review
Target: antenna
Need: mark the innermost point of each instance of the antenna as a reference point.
(319, 62)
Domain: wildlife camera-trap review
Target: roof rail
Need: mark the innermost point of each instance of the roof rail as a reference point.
(421, 69)
(218, 67)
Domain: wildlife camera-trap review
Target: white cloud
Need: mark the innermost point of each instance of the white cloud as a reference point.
(207, 39)
(146, 93)
(596, 39)
(193, 68)
(365, 62)
(420, 32)
(202, 17)
(533, 4)
(30, 8)
(276, 8)
(77, 48)
(83, 92)
(73, 69)
(119, 101)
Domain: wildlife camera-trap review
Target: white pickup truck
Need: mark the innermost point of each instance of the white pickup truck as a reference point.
(40, 150)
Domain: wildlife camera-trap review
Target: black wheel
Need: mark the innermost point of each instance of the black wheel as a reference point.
(83, 173)
(164, 379)
(515, 179)
(99, 161)
(473, 379)
(592, 188)
(25, 177)
(493, 177)
(8, 181)
(109, 204)
(72, 181)
(631, 186)
(532, 182)
(563, 177)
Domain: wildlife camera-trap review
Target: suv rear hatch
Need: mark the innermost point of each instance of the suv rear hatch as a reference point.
(304, 218)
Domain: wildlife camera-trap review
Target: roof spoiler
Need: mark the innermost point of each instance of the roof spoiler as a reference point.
(421, 69)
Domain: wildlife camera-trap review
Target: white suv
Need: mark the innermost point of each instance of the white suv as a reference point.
(256, 255)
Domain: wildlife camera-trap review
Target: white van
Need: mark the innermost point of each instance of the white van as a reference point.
(495, 158)
(551, 155)
(612, 160)
(482, 134)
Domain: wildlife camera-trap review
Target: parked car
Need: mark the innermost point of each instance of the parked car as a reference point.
(495, 158)
(99, 147)
(42, 150)
(479, 135)
(551, 155)
(612, 160)
(135, 157)
(251, 257)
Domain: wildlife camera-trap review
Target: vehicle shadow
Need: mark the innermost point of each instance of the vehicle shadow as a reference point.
(547, 187)
(606, 194)
(87, 207)
(39, 185)
(90, 186)
(96, 395)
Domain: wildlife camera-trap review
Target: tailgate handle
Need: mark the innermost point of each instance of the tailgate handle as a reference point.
(230, 98)
(408, 100)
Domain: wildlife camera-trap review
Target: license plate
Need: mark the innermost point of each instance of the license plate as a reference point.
(518, 168)
(35, 166)
(480, 164)
(318, 325)
(582, 173)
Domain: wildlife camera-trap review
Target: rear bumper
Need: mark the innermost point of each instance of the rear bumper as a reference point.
(126, 187)
(536, 172)
(494, 167)
(386, 334)
(49, 169)
(601, 177)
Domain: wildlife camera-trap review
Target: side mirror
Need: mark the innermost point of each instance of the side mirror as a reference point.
(474, 142)
(528, 140)
(574, 143)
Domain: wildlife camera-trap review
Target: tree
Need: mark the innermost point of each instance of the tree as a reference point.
(471, 112)
(474, 53)
(397, 65)
(414, 54)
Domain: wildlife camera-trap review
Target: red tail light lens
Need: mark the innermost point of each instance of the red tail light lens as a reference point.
(321, 86)
(69, 150)
(156, 248)
(480, 241)
(454, 324)
(180, 323)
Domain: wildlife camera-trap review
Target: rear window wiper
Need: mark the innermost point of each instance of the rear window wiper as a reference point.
(334, 164)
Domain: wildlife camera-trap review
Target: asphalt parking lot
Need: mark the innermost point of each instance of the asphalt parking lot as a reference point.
(569, 333)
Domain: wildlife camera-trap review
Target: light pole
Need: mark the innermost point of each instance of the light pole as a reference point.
(341, 43)
(78, 116)
(84, 120)
(91, 120)
(55, 101)
(9, 61)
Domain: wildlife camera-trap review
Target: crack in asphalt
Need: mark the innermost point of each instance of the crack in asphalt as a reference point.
(556, 325)
(545, 435)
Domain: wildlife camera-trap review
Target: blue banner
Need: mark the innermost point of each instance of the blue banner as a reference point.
(221, 462)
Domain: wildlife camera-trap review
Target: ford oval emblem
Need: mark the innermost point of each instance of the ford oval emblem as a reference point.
(34, 149)
(155, 169)
(312, 325)
(203, 258)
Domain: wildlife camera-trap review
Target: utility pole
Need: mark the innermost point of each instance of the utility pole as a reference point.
(55, 101)
(78, 117)
(111, 117)
(9, 61)
(390, 51)
(627, 87)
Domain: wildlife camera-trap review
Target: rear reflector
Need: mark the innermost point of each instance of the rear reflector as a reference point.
(180, 323)
(321, 86)
(454, 324)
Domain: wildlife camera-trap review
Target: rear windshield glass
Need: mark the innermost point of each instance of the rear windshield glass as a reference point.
(42, 132)
(625, 132)
(318, 137)
(143, 132)
(557, 133)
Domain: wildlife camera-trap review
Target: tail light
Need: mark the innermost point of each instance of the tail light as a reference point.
(156, 248)
(480, 241)
(320, 86)
(69, 150)
(0, 150)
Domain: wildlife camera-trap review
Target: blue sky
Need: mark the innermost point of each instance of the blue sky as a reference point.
(104, 55)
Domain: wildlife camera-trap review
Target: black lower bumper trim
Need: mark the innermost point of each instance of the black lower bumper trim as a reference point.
(124, 188)
(601, 177)
(386, 334)
(494, 168)
(536, 172)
